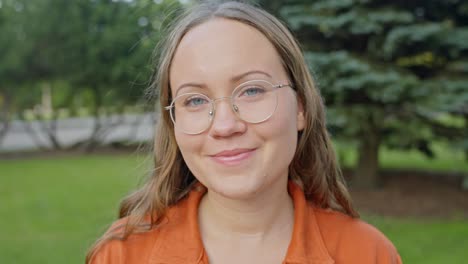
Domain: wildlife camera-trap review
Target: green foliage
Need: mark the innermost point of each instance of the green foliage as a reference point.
(330, 21)
(14, 48)
(102, 46)
(340, 73)
(393, 69)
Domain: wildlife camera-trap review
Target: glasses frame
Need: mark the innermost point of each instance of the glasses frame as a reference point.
(233, 106)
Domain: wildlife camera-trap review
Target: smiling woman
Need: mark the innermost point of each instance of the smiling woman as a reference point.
(244, 168)
(234, 157)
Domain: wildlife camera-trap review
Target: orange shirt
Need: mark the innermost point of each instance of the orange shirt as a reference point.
(319, 236)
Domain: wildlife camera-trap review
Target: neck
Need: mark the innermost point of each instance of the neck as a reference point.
(268, 214)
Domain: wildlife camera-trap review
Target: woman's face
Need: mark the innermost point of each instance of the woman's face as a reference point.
(233, 158)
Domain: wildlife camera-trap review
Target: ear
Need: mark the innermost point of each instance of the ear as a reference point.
(300, 115)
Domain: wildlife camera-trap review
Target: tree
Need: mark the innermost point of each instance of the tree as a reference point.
(115, 57)
(391, 72)
(95, 54)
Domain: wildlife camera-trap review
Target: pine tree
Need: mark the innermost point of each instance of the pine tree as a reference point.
(391, 72)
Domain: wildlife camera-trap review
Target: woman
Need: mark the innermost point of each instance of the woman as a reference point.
(244, 168)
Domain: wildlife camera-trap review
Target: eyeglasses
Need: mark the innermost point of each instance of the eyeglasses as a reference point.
(253, 102)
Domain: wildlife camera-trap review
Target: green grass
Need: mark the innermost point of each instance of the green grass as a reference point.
(52, 209)
(420, 241)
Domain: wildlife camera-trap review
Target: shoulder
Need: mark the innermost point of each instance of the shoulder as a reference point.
(139, 245)
(115, 249)
(351, 240)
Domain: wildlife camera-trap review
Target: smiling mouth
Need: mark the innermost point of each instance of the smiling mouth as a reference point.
(233, 157)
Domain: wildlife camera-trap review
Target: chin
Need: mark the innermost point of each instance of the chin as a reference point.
(237, 187)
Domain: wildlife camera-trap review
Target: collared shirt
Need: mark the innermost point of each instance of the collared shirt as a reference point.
(320, 236)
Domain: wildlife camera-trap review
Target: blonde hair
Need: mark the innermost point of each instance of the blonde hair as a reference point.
(314, 165)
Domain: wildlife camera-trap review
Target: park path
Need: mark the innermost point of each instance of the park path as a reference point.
(131, 127)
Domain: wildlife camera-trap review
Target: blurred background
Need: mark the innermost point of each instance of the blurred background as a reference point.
(76, 117)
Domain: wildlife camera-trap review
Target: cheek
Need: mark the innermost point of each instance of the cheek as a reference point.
(187, 144)
(281, 129)
(191, 148)
(284, 121)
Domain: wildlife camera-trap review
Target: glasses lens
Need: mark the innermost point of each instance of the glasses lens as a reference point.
(191, 112)
(255, 101)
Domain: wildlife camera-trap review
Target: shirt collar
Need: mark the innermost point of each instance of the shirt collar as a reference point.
(180, 240)
(307, 245)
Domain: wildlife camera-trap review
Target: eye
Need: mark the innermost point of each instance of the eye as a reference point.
(195, 100)
(252, 91)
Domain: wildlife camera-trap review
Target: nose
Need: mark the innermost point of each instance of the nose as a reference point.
(225, 121)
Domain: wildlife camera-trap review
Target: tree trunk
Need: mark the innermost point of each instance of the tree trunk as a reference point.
(366, 173)
(93, 140)
(107, 124)
(466, 147)
(4, 126)
(29, 129)
(5, 117)
(49, 127)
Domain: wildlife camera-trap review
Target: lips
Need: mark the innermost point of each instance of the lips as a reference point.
(232, 157)
(230, 153)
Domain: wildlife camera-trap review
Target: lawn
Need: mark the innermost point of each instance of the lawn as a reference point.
(420, 241)
(52, 209)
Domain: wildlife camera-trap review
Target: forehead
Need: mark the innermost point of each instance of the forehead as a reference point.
(219, 49)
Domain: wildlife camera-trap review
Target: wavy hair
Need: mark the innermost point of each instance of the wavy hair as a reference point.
(314, 165)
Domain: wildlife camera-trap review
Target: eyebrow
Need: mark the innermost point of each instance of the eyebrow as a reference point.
(242, 75)
(234, 79)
